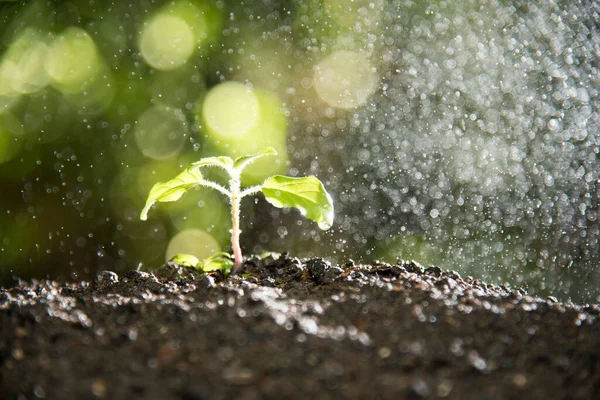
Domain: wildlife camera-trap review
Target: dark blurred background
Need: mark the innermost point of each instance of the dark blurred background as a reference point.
(457, 133)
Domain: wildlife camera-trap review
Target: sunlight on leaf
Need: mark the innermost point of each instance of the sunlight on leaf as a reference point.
(270, 254)
(305, 194)
(242, 162)
(171, 190)
(186, 260)
(222, 161)
(219, 261)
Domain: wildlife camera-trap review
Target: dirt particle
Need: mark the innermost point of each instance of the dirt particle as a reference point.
(384, 352)
(519, 380)
(444, 388)
(321, 271)
(98, 388)
(39, 392)
(166, 353)
(236, 374)
(207, 282)
(18, 354)
(420, 387)
(104, 280)
(21, 332)
(476, 361)
(414, 267)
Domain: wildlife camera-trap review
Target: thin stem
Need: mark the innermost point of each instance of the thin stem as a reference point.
(216, 186)
(234, 186)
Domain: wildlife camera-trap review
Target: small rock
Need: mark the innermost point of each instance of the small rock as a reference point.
(99, 388)
(206, 282)
(321, 271)
(21, 332)
(444, 388)
(420, 387)
(519, 380)
(435, 271)
(105, 279)
(39, 392)
(137, 275)
(18, 354)
(384, 352)
(414, 267)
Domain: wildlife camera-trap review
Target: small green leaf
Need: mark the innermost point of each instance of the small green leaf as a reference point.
(270, 254)
(171, 190)
(223, 162)
(187, 260)
(219, 261)
(306, 194)
(241, 163)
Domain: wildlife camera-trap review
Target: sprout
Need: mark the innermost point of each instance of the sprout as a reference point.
(306, 194)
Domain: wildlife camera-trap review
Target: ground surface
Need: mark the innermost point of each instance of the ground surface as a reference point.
(294, 329)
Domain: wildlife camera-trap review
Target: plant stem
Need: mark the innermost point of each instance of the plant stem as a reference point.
(216, 186)
(234, 188)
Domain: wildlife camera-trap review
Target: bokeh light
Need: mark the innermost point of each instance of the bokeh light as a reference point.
(78, 71)
(230, 111)
(203, 19)
(241, 120)
(358, 15)
(22, 66)
(73, 61)
(192, 241)
(160, 132)
(166, 42)
(345, 79)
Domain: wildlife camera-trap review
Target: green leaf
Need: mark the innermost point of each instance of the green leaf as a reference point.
(270, 254)
(306, 194)
(187, 260)
(241, 163)
(223, 162)
(171, 190)
(219, 261)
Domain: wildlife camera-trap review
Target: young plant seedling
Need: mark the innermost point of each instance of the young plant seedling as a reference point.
(306, 194)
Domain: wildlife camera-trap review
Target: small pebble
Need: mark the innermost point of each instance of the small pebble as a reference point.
(519, 380)
(105, 279)
(18, 354)
(384, 352)
(420, 387)
(99, 388)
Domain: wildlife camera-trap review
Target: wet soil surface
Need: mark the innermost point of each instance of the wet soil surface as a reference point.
(296, 329)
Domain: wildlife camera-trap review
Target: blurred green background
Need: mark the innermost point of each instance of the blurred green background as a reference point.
(99, 101)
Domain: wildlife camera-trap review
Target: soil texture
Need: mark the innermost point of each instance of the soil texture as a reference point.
(294, 329)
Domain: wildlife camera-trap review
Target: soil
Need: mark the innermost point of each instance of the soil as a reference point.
(294, 329)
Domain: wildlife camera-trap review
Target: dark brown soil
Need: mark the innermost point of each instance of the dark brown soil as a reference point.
(294, 329)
